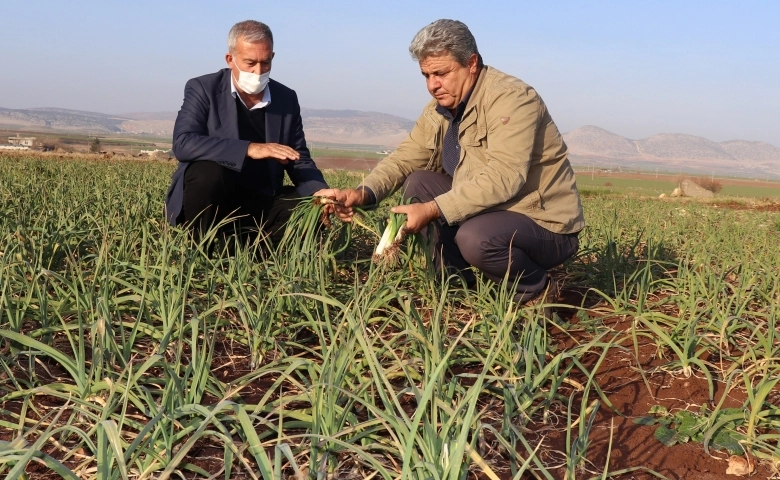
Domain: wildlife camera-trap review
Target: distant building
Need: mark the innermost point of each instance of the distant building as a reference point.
(13, 147)
(153, 152)
(21, 141)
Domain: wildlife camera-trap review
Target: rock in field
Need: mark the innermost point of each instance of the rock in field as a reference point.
(740, 466)
(690, 189)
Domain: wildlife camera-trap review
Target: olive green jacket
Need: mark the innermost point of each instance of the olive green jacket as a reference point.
(512, 157)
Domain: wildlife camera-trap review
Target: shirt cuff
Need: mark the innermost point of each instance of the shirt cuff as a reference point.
(441, 214)
(371, 195)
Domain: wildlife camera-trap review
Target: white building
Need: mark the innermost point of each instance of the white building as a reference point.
(21, 141)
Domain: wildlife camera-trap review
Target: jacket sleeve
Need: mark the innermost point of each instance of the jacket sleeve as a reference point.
(411, 155)
(304, 174)
(512, 119)
(191, 140)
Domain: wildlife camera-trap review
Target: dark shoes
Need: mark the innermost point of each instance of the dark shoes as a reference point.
(541, 304)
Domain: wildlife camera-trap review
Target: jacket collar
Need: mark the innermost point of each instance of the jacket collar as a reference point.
(273, 119)
(226, 106)
(476, 90)
(470, 113)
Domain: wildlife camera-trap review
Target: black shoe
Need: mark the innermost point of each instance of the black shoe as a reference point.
(541, 303)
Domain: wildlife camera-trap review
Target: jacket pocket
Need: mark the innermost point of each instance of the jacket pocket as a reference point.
(474, 137)
(532, 201)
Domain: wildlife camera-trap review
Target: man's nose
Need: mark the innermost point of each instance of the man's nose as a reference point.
(433, 84)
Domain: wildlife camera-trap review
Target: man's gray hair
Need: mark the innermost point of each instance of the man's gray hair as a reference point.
(250, 30)
(442, 37)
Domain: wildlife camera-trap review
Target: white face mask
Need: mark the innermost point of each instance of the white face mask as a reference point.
(251, 83)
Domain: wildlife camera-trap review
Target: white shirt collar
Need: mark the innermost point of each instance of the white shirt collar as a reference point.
(261, 104)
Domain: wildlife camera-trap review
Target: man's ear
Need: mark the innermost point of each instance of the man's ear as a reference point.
(473, 63)
(229, 59)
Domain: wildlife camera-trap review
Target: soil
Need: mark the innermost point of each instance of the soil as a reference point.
(764, 207)
(631, 397)
(634, 445)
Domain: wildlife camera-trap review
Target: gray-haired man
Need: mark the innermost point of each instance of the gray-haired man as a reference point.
(486, 164)
(238, 132)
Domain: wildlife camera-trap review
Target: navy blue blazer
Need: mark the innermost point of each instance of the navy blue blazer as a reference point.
(207, 129)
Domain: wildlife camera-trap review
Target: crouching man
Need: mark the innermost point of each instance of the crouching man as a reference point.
(238, 132)
(485, 164)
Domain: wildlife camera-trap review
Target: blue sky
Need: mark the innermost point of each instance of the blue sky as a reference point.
(637, 68)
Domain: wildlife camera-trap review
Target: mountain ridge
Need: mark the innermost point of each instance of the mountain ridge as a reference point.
(589, 145)
(596, 146)
(320, 125)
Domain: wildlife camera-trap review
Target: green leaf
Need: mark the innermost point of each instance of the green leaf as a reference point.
(658, 410)
(688, 424)
(728, 440)
(731, 411)
(666, 435)
(645, 420)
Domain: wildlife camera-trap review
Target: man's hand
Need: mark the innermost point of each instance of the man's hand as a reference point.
(347, 199)
(330, 193)
(418, 215)
(327, 192)
(280, 153)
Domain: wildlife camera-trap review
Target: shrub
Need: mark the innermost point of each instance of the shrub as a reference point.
(707, 183)
(710, 184)
(94, 145)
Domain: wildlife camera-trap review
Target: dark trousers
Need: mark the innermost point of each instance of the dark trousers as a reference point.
(493, 242)
(213, 192)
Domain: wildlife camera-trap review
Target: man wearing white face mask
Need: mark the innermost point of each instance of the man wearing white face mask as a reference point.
(236, 135)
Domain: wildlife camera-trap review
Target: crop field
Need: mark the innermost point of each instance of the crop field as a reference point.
(129, 350)
(650, 184)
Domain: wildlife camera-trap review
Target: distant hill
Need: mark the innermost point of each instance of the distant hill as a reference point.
(331, 126)
(61, 118)
(353, 126)
(745, 151)
(160, 123)
(591, 140)
(153, 116)
(590, 145)
(676, 145)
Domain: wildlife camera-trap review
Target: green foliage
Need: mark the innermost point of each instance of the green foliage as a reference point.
(94, 145)
(308, 358)
(684, 426)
